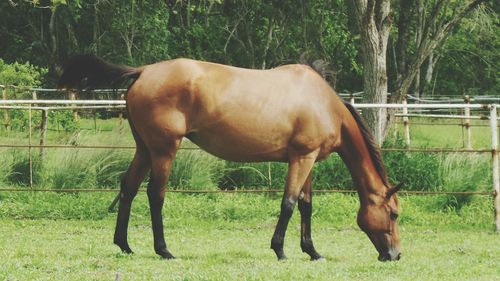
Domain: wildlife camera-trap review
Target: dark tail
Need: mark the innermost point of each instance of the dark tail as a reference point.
(89, 71)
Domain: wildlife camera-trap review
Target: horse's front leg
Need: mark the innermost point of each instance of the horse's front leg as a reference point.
(161, 164)
(299, 167)
(305, 209)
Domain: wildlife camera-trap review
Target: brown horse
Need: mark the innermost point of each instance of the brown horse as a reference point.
(287, 114)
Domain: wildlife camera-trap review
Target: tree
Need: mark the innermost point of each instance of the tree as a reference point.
(374, 20)
(443, 19)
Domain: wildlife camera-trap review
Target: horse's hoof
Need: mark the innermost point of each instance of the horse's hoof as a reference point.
(127, 251)
(124, 247)
(165, 254)
(281, 256)
(318, 258)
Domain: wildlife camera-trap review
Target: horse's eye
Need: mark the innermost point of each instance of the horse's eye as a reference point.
(394, 216)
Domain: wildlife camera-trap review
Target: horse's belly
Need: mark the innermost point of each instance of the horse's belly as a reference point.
(240, 146)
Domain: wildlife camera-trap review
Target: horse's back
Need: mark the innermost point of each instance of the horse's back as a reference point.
(234, 113)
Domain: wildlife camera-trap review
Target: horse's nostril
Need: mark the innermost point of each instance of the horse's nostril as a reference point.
(398, 257)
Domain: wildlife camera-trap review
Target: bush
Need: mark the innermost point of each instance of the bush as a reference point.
(63, 119)
(25, 75)
(419, 170)
(19, 74)
(332, 173)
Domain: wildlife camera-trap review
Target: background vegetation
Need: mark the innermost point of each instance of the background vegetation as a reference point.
(194, 169)
(247, 33)
(67, 236)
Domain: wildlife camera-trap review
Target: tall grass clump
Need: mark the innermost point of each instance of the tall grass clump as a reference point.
(252, 175)
(15, 167)
(195, 169)
(463, 172)
(83, 168)
(8, 160)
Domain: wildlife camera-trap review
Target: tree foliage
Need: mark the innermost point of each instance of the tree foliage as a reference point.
(256, 34)
(20, 74)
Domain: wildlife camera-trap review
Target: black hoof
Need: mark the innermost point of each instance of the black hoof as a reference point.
(314, 255)
(124, 247)
(165, 254)
(318, 258)
(280, 255)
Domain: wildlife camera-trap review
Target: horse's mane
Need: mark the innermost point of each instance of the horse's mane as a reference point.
(373, 148)
(324, 69)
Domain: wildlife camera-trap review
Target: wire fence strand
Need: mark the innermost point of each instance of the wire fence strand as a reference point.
(229, 191)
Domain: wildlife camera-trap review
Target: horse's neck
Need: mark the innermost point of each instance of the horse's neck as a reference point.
(355, 154)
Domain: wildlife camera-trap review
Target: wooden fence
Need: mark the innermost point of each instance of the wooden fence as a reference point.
(45, 106)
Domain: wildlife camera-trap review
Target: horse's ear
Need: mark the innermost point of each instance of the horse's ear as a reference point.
(394, 189)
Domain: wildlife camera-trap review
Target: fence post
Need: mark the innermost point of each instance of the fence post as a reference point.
(351, 98)
(468, 143)
(72, 96)
(120, 116)
(6, 119)
(43, 131)
(34, 95)
(495, 168)
(405, 122)
(269, 176)
(30, 158)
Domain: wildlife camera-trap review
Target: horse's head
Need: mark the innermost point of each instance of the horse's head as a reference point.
(378, 219)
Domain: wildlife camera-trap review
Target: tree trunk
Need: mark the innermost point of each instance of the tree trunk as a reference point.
(429, 73)
(52, 30)
(95, 33)
(374, 22)
(418, 42)
(403, 37)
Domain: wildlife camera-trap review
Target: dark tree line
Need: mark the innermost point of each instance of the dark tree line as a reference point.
(422, 47)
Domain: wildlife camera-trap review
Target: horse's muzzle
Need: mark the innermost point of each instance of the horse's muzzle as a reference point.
(392, 255)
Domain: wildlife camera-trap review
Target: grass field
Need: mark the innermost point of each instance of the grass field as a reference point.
(226, 237)
(52, 236)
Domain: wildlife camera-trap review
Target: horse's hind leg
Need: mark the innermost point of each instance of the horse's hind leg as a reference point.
(129, 185)
(305, 208)
(162, 159)
(299, 167)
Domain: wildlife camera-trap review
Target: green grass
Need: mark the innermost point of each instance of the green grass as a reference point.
(59, 236)
(227, 236)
